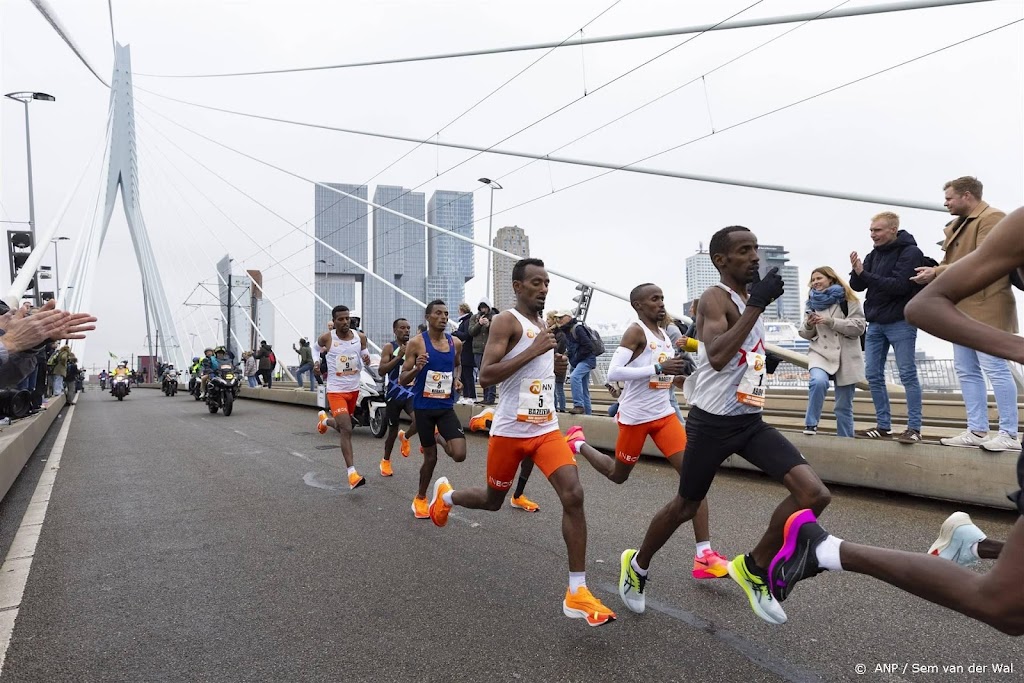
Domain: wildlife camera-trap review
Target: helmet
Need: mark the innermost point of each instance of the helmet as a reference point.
(208, 349)
(220, 349)
(354, 318)
(195, 359)
(123, 364)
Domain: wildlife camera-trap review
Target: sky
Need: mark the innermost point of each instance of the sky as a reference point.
(901, 134)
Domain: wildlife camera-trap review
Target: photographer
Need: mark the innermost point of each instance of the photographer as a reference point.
(479, 330)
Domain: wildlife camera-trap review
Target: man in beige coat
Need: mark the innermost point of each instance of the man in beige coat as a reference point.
(993, 305)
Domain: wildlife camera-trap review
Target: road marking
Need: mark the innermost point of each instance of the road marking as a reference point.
(757, 654)
(301, 456)
(16, 566)
(240, 433)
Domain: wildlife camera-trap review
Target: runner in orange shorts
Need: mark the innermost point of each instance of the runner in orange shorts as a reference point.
(520, 354)
(646, 363)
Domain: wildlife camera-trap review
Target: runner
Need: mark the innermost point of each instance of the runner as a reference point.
(646, 362)
(433, 365)
(726, 397)
(346, 355)
(520, 355)
(519, 501)
(397, 397)
(995, 598)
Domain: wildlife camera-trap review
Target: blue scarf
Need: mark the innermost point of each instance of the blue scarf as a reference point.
(820, 301)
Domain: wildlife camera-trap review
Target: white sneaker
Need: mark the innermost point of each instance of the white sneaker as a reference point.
(1001, 442)
(967, 439)
(956, 540)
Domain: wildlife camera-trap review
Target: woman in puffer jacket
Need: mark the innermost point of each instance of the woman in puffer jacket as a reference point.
(834, 325)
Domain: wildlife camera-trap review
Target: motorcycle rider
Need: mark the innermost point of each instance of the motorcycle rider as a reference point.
(209, 365)
(121, 371)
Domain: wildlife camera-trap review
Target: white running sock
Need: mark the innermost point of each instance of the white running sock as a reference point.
(637, 568)
(577, 580)
(351, 470)
(702, 546)
(447, 497)
(578, 446)
(827, 553)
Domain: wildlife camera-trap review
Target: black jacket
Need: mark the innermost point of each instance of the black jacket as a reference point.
(886, 277)
(463, 335)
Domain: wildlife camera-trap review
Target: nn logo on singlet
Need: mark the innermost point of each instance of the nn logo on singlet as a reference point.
(531, 334)
(436, 377)
(536, 387)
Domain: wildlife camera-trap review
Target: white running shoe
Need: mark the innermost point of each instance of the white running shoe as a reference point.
(967, 439)
(957, 536)
(1002, 441)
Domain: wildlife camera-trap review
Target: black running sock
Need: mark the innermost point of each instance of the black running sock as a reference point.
(520, 487)
(753, 567)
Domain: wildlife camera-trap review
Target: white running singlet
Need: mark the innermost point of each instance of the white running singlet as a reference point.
(646, 400)
(526, 400)
(739, 387)
(344, 363)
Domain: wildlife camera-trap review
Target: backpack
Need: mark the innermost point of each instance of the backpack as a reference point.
(596, 343)
(273, 359)
(926, 262)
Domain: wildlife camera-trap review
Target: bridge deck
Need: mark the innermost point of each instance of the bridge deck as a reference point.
(184, 546)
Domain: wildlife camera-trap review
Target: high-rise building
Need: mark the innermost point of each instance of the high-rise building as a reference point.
(342, 223)
(512, 239)
(247, 306)
(449, 259)
(790, 306)
(400, 257)
(700, 274)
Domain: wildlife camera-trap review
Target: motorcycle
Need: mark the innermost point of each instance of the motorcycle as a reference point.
(195, 386)
(370, 406)
(120, 387)
(222, 389)
(170, 383)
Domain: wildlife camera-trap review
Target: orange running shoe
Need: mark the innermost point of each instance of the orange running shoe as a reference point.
(583, 605)
(710, 565)
(355, 480)
(385, 468)
(404, 444)
(321, 424)
(482, 421)
(439, 509)
(574, 436)
(420, 508)
(524, 503)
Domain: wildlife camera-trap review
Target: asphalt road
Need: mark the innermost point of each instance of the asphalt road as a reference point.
(184, 546)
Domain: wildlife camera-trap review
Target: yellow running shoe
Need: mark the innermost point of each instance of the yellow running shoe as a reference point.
(420, 508)
(583, 605)
(321, 424)
(385, 468)
(756, 588)
(439, 509)
(404, 444)
(355, 480)
(524, 503)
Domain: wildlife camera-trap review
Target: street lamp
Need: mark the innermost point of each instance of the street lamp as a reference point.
(490, 233)
(25, 98)
(56, 271)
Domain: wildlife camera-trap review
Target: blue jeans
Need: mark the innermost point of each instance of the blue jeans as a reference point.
(675, 404)
(58, 385)
(559, 394)
(491, 392)
(252, 382)
(816, 400)
(969, 365)
(902, 336)
(306, 369)
(579, 381)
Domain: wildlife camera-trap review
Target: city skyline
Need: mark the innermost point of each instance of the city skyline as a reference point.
(450, 261)
(512, 239)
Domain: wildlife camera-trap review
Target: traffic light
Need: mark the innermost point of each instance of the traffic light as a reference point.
(19, 247)
(582, 301)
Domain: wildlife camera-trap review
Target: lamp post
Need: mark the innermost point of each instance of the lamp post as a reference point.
(25, 98)
(490, 233)
(56, 270)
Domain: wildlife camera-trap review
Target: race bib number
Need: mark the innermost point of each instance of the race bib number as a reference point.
(661, 381)
(438, 384)
(751, 389)
(536, 401)
(345, 366)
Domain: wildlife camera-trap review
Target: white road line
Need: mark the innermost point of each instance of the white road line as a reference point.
(16, 566)
(240, 433)
(301, 456)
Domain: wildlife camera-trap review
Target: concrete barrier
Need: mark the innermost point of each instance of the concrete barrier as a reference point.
(19, 440)
(928, 470)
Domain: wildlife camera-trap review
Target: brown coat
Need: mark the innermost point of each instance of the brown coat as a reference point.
(995, 304)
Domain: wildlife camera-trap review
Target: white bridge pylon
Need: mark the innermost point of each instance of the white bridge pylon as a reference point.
(123, 175)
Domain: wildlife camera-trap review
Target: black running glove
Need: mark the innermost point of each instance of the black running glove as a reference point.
(763, 292)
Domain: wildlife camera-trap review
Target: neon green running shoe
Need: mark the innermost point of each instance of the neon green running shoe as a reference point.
(756, 588)
(631, 584)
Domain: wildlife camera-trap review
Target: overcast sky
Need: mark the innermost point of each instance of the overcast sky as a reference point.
(901, 134)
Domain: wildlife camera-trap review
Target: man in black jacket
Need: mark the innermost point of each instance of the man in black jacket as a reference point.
(468, 362)
(885, 273)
